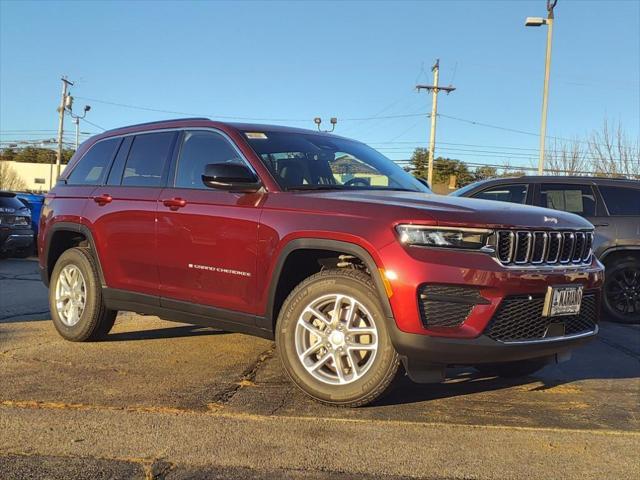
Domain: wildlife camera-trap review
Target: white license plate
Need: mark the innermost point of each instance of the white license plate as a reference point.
(562, 300)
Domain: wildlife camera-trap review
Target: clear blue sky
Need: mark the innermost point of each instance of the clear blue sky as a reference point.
(298, 60)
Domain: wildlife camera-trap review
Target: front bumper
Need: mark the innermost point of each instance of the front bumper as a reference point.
(473, 341)
(414, 267)
(426, 350)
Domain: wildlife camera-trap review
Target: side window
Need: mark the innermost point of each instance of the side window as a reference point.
(117, 168)
(569, 198)
(200, 148)
(505, 193)
(92, 167)
(147, 157)
(621, 201)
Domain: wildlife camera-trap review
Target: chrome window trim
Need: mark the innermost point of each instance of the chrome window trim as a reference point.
(172, 129)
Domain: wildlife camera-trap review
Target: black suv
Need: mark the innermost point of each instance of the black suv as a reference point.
(16, 234)
(612, 205)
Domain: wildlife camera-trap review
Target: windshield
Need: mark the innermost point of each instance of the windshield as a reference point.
(301, 161)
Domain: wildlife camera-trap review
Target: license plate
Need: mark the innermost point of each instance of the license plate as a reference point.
(562, 300)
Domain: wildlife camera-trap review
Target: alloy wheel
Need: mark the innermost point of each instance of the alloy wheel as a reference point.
(623, 291)
(71, 295)
(336, 339)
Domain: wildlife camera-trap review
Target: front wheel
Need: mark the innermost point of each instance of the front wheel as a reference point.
(333, 339)
(75, 298)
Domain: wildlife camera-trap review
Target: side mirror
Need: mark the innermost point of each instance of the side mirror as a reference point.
(230, 176)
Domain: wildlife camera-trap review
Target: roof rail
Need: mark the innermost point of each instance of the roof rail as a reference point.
(156, 122)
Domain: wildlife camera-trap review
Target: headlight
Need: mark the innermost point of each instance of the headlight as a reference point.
(443, 237)
(20, 221)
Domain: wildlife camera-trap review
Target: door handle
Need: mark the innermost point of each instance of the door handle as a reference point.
(103, 199)
(174, 203)
(600, 224)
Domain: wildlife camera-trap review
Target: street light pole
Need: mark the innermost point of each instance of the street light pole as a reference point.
(76, 120)
(536, 22)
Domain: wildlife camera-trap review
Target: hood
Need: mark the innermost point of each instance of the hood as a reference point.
(459, 211)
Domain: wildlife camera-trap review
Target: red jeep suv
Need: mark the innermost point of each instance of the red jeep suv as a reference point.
(319, 242)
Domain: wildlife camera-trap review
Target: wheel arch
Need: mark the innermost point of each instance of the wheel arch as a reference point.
(614, 252)
(67, 235)
(321, 244)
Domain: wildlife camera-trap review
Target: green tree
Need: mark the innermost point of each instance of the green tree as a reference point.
(8, 154)
(483, 173)
(444, 168)
(36, 155)
(420, 162)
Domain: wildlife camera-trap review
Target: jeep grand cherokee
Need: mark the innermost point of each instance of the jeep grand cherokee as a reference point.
(319, 242)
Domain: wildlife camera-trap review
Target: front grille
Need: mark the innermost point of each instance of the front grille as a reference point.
(447, 305)
(519, 318)
(523, 247)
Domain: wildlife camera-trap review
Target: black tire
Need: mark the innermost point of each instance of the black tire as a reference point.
(622, 277)
(376, 381)
(95, 321)
(517, 369)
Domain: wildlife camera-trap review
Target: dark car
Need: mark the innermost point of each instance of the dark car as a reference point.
(33, 201)
(611, 205)
(317, 241)
(16, 234)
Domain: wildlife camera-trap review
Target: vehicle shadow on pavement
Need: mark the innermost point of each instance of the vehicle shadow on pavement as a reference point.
(462, 383)
(162, 333)
(599, 360)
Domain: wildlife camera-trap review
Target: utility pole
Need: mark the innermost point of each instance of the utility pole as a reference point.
(537, 22)
(434, 89)
(63, 104)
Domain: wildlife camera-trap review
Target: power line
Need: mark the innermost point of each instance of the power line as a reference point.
(235, 117)
(93, 124)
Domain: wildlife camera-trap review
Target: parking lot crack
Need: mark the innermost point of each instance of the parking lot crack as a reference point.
(246, 379)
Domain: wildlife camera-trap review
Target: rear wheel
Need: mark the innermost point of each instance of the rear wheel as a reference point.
(75, 298)
(333, 340)
(622, 290)
(521, 368)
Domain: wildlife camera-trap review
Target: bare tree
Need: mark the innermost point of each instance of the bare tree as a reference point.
(613, 153)
(9, 178)
(567, 158)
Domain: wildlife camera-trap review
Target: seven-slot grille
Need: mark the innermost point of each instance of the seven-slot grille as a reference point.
(524, 247)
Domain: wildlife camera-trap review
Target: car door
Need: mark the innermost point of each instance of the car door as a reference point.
(122, 213)
(207, 238)
(623, 206)
(582, 200)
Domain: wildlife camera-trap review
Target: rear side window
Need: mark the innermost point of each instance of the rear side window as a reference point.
(201, 148)
(621, 201)
(505, 193)
(577, 199)
(92, 167)
(147, 158)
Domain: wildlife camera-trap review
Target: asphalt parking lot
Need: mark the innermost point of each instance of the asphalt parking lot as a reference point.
(166, 400)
